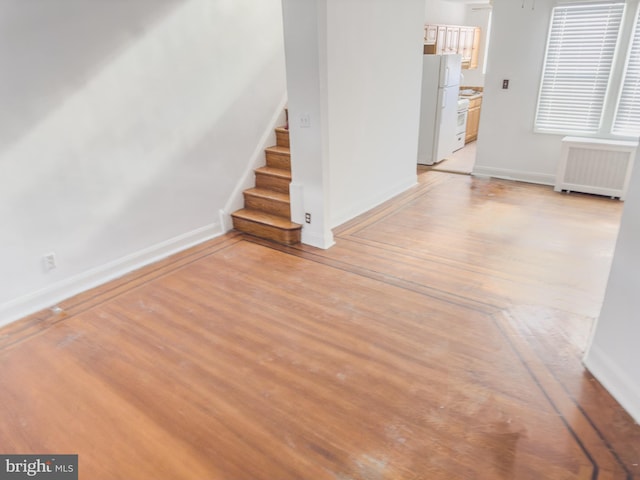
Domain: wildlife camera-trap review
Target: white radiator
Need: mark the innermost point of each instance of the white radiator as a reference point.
(594, 165)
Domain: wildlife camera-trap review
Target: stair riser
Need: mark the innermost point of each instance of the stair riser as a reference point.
(282, 138)
(278, 160)
(270, 182)
(267, 205)
(287, 237)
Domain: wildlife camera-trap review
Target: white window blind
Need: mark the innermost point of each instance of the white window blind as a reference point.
(627, 120)
(580, 49)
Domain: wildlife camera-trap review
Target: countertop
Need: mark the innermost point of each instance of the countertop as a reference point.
(473, 96)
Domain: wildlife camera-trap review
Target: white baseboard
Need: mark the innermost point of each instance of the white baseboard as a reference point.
(366, 204)
(613, 377)
(318, 240)
(52, 294)
(516, 175)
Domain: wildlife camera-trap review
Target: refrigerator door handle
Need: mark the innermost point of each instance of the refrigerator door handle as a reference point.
(443, 103)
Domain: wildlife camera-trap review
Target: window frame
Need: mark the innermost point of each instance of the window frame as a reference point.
(630, 17)
(634, 40)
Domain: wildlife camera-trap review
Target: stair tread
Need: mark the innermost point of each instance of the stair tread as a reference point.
(275, 172)
(279, 149)
(268, 193)
(282, 129)
(266, 218)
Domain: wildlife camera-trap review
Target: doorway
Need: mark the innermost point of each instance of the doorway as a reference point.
(462, 161)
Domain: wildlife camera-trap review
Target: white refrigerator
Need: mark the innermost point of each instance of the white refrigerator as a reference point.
(438, 107)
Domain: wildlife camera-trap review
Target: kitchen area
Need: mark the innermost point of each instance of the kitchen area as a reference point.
(451, 106)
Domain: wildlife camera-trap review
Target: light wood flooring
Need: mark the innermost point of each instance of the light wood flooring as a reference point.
(461, 161)
(439, 339)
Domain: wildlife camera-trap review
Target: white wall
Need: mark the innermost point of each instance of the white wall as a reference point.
(354, 69)
(125, 129)
(305, 35)
(614, 356)
(443, 11)
(507, 146)
(374, 73)
(477, 15)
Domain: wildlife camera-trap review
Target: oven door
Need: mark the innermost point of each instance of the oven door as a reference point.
(462, 122)
(461, 130)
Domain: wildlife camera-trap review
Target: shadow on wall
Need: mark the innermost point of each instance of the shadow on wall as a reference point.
(204, 173)
(49, 49)
(152, 139)
(137, 143)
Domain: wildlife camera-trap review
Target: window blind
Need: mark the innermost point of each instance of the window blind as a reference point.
(580, 49)
(627, 119)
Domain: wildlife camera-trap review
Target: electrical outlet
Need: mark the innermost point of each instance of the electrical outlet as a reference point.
(307, 217)
(49, 261)
(505, 84)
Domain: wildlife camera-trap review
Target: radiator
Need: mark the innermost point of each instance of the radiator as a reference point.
(594, 165)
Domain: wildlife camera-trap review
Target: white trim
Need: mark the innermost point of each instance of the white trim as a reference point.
(366, 204)
(613, 377)
(478, 8)
(257, 159)
(226, 222)
(603, 143)
(296, 196)
(517, 175)
(563, 3)
(52, 294)
(631, 62)
(315, 240)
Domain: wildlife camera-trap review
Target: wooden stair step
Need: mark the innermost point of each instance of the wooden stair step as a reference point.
(275, 172)
(264, 225)
(278, 157)
(278, 149)
(273, 178)
(267, 200)
(282, 137)
(267, 218)
(268, 194)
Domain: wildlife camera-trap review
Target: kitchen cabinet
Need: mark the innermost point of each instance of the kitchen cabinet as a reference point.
(441, 40)
(465, 45)
(430, 34)
(475, 49)
(449, 39)
(473, 119)
(436, 39)
(452, 40)
(462, 44)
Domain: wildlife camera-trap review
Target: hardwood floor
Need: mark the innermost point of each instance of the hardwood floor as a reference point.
(461, 161)
(439, 339)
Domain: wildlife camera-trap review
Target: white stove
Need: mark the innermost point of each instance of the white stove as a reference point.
(461, 126)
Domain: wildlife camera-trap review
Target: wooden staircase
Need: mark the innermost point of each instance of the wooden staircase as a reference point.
(267, 209)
